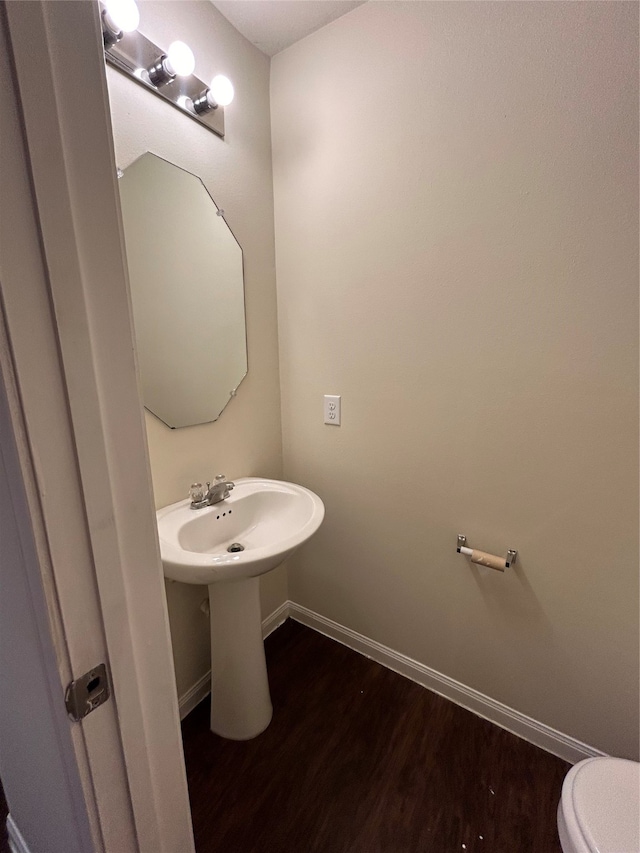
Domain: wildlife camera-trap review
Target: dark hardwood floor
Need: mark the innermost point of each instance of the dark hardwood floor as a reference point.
(4, 841)
(358, 759)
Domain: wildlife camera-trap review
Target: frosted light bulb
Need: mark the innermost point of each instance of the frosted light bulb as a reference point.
(180, 60)
(220, 91)
(123, 15)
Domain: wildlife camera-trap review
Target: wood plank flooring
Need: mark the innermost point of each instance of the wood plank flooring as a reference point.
(358, 759)
(4, 841)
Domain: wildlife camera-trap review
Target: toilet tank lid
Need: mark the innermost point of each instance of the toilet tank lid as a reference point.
(605, 796)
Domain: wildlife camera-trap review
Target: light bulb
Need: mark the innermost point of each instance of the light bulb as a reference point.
(180, 60)
(123, 15)
(220, 91)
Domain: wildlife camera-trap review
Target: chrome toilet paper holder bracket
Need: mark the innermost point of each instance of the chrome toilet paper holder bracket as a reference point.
(462, 548)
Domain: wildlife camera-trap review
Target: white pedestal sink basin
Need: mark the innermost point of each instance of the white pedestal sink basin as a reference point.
(269, 519)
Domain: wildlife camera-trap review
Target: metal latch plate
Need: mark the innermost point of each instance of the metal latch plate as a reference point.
(87, 693)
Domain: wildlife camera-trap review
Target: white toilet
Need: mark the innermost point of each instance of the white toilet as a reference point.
(599, 810)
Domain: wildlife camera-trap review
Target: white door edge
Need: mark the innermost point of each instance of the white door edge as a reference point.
(17, 844)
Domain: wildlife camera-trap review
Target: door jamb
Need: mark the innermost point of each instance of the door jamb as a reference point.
(60, 77)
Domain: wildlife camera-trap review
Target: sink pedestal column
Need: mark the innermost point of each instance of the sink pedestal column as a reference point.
(240, 700)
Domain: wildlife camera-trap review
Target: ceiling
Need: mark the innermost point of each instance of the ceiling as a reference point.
(273, 25)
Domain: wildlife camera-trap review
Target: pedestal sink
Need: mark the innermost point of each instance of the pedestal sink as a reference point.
(268, 520)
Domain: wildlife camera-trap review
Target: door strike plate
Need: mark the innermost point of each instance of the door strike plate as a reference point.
(85, 694)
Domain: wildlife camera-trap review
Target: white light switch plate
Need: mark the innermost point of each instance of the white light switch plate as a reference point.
(332, 409)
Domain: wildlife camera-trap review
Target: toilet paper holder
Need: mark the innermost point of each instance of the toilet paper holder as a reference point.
(484, 559)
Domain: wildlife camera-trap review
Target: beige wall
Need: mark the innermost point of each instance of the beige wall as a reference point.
(456, 240)
(246, 440)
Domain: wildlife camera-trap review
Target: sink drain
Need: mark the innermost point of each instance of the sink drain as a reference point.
(233, 549)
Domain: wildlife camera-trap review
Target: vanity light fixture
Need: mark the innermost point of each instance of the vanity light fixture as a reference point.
(168, 74)
(219, 94)
(178, 61)
(118, 17)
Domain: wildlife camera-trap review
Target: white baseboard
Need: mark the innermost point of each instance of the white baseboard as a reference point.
(17, 844)
(280, 615)
(555, 742)
(194, 695)
(188, 701)
(547, 738)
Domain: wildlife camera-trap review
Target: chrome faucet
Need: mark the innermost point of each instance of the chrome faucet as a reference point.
(214, 493)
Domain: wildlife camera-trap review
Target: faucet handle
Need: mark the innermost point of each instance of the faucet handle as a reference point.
(221, 480)
(196, 492)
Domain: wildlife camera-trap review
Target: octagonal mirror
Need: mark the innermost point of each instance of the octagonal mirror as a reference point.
(187, 293)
